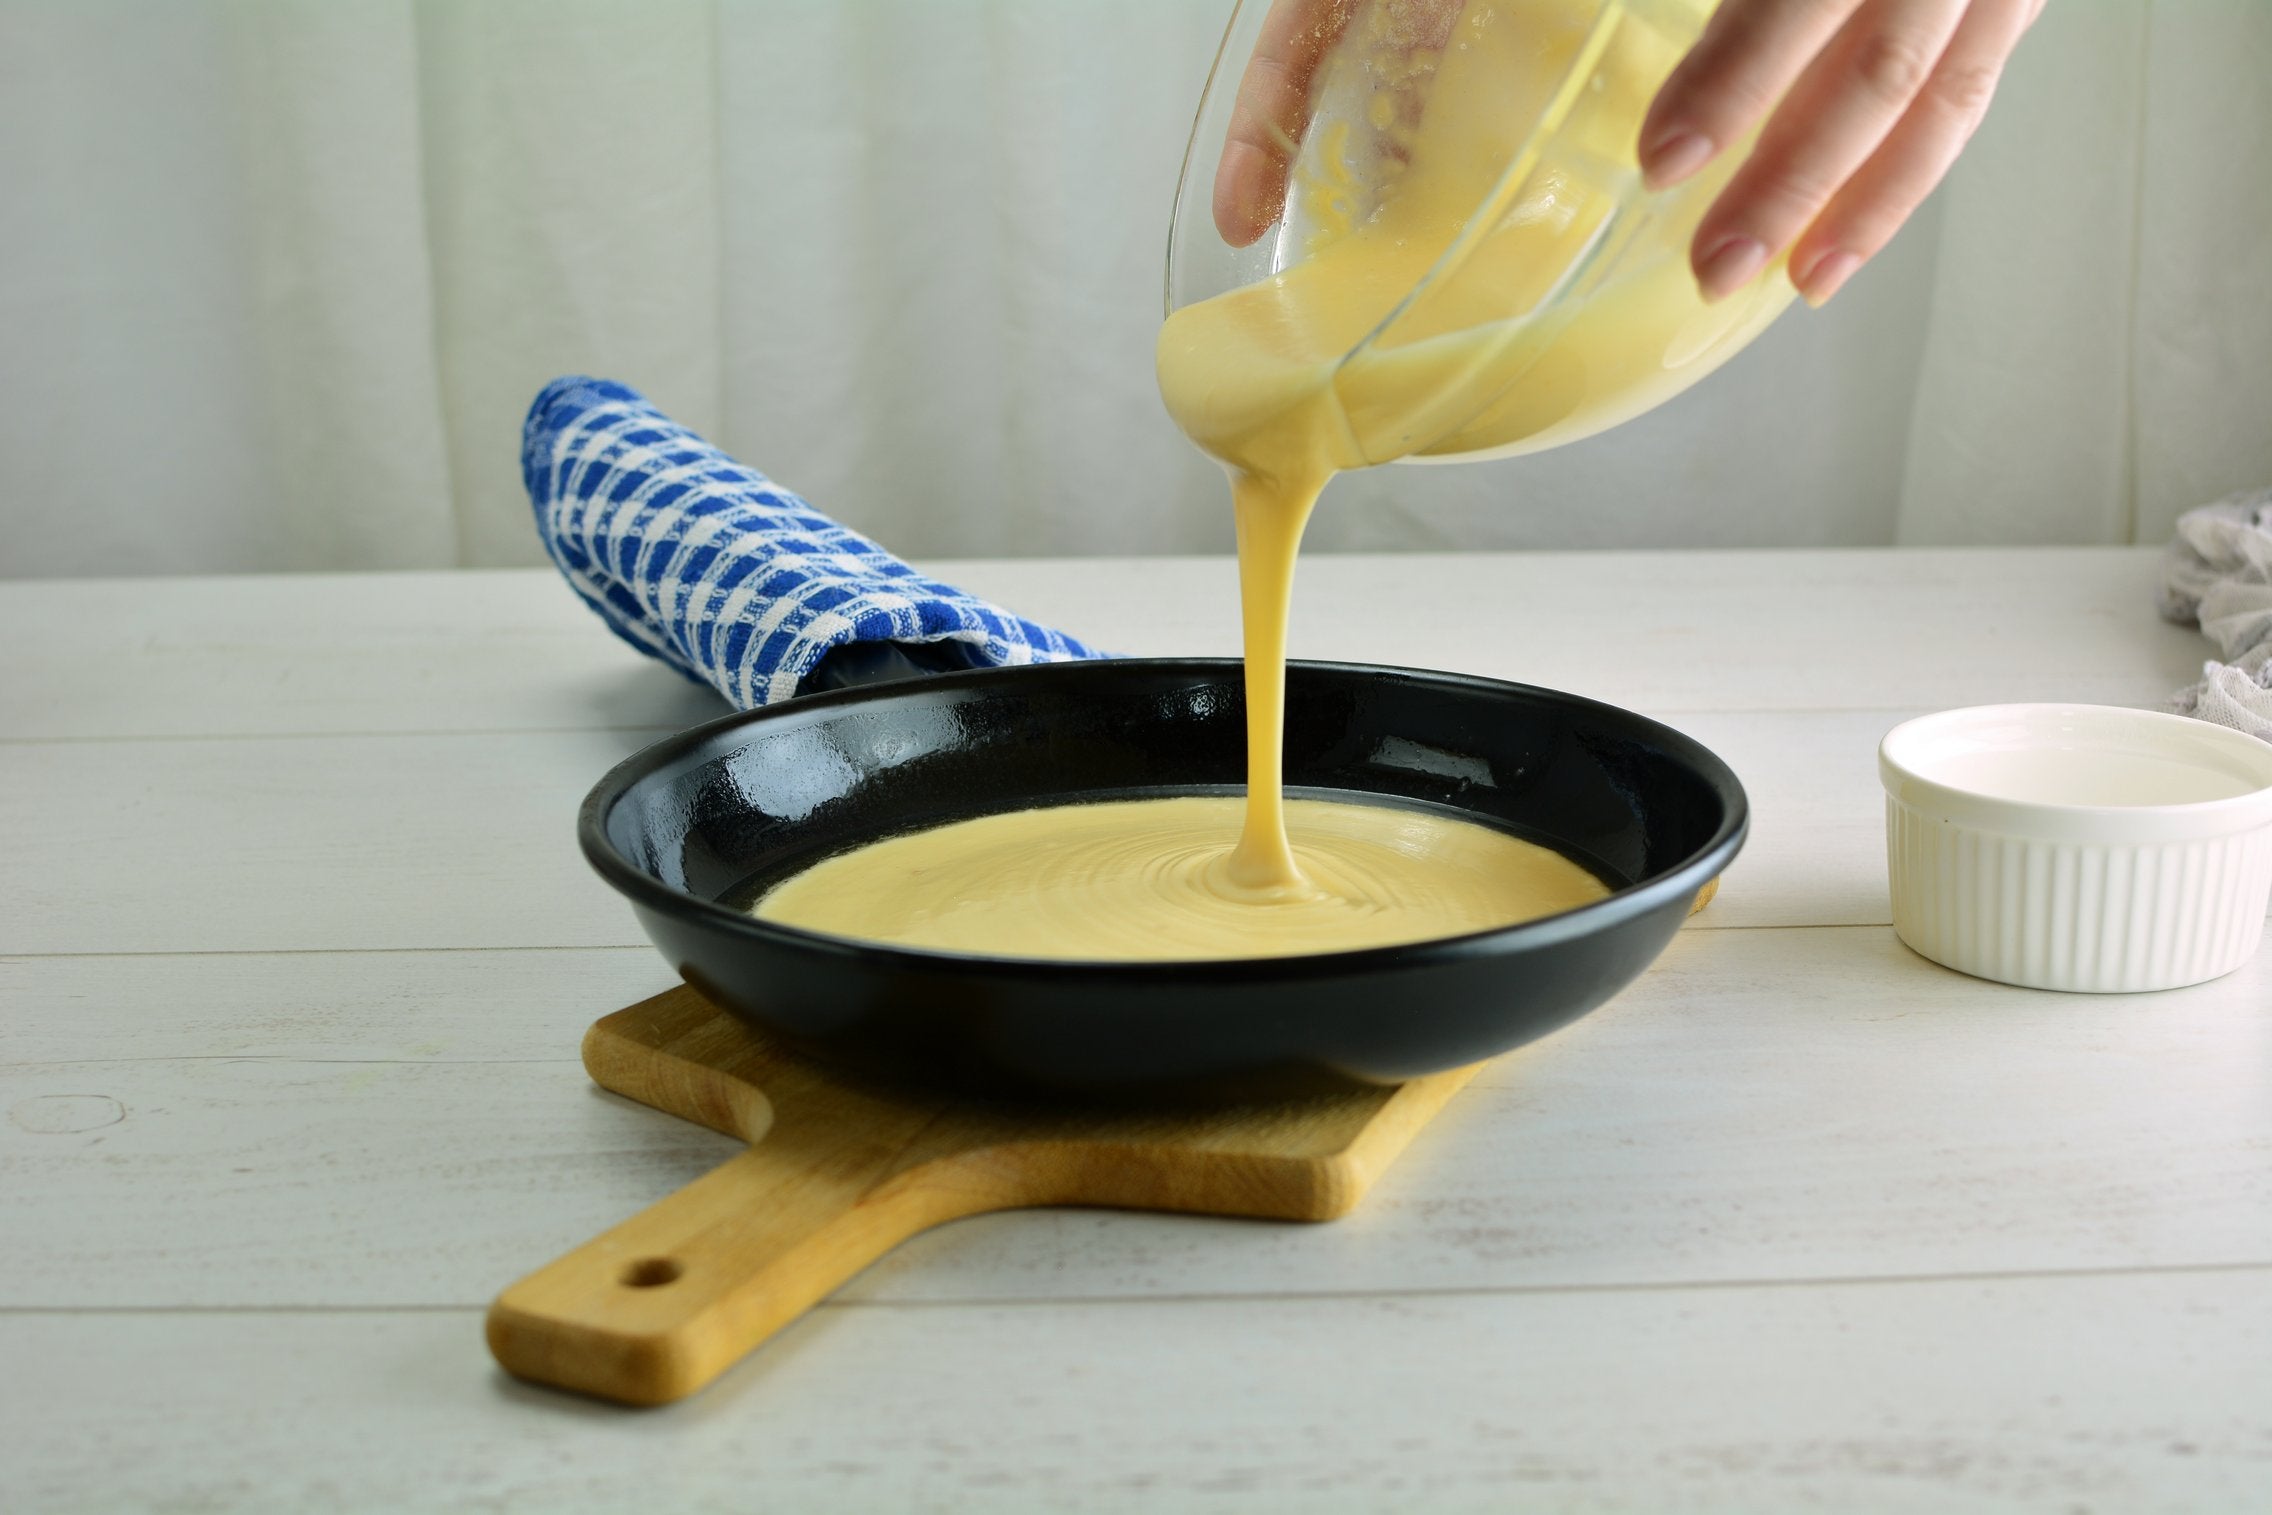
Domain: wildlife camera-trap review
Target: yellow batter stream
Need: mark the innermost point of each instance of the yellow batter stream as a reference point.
(1278, 381)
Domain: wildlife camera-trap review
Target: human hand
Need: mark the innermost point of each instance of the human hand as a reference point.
(1273, 105)
(1871, 102)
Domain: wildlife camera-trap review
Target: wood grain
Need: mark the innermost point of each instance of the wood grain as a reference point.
(2138, 1394)
(1800, 1221)
(1761, 1105)
(838, 1174)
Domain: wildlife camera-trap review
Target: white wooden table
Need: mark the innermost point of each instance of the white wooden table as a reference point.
(298, 949)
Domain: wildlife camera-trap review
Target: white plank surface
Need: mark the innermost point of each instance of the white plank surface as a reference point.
(340, 1007)
(2133, 1394)
(1662, 633)
(262, 844)
(302, 949)
(300, 843)
(322, 653)
(267, 844)
(1763, 1105)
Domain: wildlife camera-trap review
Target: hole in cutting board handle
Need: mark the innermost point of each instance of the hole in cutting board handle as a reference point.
(651, 1273)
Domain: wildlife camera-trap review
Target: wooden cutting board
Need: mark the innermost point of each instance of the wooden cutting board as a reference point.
(837, 1174)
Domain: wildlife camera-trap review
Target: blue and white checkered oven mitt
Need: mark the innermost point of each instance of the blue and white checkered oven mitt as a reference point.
(723, 574)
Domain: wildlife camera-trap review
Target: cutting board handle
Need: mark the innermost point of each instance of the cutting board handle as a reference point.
(660, 1305)
(840, 1172)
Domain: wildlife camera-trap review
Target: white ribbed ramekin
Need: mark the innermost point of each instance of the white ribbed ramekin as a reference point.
(2078, 847)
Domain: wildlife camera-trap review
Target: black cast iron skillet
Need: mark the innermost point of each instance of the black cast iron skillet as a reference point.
(695, 827)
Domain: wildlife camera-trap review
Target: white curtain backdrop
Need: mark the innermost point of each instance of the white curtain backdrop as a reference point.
(278, 278)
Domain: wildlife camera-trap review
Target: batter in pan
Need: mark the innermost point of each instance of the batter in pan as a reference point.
(1279, 382)
(1145, 879)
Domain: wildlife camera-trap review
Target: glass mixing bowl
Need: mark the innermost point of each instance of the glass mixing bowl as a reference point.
(1556, 299)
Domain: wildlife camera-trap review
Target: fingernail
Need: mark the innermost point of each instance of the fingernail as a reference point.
(1818, 283)
(1674, 156)
(1731, 261)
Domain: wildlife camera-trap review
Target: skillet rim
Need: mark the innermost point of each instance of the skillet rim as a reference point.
(644, 889)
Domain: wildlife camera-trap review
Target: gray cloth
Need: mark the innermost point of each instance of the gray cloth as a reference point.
(2218, 575)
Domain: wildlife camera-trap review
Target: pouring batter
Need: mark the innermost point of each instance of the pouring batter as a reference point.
(1329, 365)
(1262, 379)
(1279, 382)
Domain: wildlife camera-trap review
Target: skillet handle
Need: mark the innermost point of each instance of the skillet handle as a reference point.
(654, 1309)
